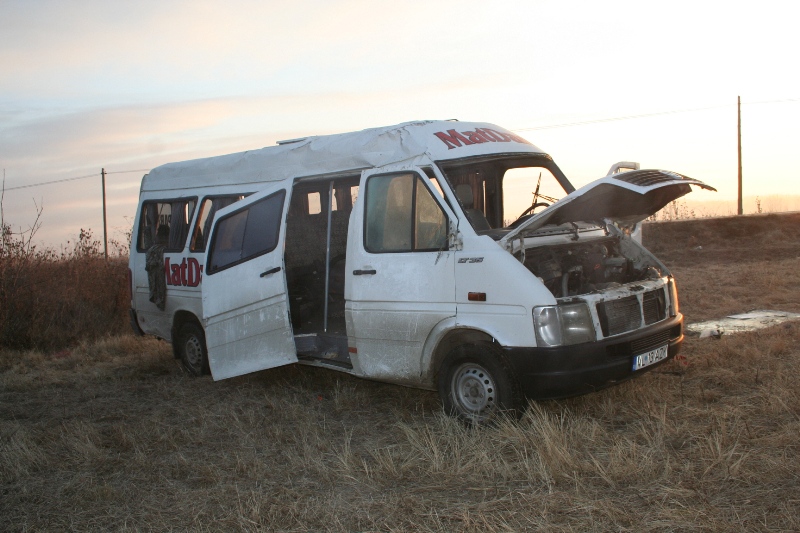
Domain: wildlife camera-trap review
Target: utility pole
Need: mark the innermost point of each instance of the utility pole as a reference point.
(105, 234)
(739, 113)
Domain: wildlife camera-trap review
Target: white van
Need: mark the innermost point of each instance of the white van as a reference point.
(438, 254)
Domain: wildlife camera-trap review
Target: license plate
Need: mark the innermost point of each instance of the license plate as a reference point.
(649, 358)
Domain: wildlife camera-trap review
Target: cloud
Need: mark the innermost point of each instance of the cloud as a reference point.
(91, 84)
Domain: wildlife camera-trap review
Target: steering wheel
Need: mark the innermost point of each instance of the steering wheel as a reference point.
(527, 213)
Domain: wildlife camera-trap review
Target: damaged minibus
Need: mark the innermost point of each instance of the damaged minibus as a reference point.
(444, 255)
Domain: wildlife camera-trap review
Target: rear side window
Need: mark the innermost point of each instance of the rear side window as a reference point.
(166, 223)
(402, 216)
(246, 233)
(205, 217)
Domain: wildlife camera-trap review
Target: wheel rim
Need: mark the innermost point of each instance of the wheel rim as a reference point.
(474, 391)
(193, 351)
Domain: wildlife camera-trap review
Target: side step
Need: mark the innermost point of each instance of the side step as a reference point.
(323, 348)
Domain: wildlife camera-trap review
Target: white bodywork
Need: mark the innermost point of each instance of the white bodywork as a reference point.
(398, 307)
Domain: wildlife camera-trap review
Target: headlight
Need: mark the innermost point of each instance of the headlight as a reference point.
(674, 308)
(563, 325)
(547, 325)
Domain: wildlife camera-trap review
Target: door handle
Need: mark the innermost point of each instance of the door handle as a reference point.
(364, 272)
(270, 271)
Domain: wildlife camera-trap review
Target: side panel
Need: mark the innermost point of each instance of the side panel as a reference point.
(395, 298)
(245, 303)
(507, 289)
(167, 225)
(183, 268)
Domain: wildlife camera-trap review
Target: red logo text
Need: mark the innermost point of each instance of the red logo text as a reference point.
(187, 274)
(455, 139)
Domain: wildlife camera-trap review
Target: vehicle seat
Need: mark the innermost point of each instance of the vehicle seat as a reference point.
(475, 216)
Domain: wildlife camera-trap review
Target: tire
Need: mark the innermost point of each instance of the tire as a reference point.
(475, 384)
(192, 349)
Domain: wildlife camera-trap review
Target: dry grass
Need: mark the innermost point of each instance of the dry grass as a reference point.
(731, 265)
(114, 435)
(51, 300)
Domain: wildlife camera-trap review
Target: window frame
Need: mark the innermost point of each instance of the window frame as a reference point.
(210, 270)
(418, 178)
(143, 218)
(496, 215)
(198, 209)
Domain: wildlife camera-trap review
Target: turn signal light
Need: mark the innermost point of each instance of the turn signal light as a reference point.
(476, 296)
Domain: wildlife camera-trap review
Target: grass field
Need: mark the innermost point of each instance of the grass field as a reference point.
(114, 435)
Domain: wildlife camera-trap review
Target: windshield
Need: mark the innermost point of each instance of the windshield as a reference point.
(501, 192)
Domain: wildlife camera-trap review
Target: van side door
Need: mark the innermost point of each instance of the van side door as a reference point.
(399, 273)
(245, 302)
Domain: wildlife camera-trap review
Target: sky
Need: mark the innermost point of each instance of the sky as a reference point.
(128, 86)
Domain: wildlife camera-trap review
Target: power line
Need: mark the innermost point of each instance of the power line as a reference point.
(50, 182)
(645, 115)
(550, 126)
(129, 171)
(71, 179)
(613, 119)
(773, 101)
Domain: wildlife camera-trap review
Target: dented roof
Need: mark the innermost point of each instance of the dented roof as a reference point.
(325, 154)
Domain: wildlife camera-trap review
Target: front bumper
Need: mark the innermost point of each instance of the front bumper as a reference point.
(560, 372)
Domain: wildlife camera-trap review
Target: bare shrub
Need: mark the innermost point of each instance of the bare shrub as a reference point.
(675, 210)
(52, 300)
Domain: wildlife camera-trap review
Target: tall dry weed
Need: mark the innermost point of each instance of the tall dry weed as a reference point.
(51, 300)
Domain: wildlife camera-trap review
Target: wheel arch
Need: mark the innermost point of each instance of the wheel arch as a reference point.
(441, 342)
(180, 318)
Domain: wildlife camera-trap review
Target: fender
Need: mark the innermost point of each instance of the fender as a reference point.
(428, 357)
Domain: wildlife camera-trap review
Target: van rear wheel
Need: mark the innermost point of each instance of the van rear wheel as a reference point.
(192, 349)
(475, 384)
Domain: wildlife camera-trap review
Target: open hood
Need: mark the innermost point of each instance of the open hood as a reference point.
(627, 197)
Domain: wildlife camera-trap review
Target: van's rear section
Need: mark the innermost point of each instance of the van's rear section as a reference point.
(436, 254)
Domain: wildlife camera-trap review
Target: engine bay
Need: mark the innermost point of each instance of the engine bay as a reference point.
(585, 267)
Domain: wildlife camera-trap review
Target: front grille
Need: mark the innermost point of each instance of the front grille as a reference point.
(645, 344)
(651, 342)
(619, 316)
(630, 313)
(654, 305)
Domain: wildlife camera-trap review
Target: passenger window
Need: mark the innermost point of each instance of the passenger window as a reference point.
(436, 185)
(202, 227)
(247, 233)
(402, 216)
(314, 203)
(429, 222)
(165, 223)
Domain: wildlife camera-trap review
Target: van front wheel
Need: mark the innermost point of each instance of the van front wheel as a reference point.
(475, 384)
(192, 349)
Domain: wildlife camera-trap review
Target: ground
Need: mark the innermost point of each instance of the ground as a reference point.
(114, 435)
